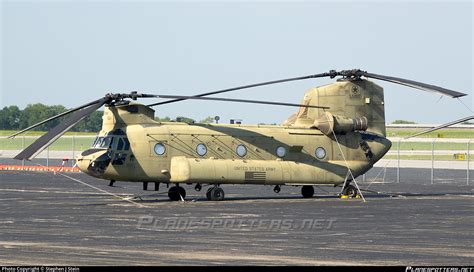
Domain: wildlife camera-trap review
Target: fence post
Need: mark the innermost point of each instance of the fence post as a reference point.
(432, 160)
(47, 156)
(398, 160)
(73, 145)
(23, 148)
(468, 161)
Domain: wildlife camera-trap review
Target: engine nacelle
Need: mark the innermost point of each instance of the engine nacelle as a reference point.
(329, 123)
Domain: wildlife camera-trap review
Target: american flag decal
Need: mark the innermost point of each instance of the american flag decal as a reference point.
(251, 176)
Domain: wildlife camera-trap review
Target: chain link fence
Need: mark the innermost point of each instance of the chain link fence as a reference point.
(435, 161)
(62, 150)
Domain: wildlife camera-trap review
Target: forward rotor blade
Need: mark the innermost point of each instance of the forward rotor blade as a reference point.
(47, 139)
(54, 117)
(441, 126)
(416, 85)
(240, 101)
(330, 74)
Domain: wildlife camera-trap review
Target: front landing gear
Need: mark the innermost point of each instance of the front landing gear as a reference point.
(350, 191)
(307, 191)
(215, 193)
(176, 193)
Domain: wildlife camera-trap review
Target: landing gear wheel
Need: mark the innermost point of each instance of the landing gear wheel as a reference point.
(215, 194)
(350, 191)
(182, 192)
(175, 193)
(208, 193)
(307, 191)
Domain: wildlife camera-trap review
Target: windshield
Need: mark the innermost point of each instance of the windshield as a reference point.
(103, 142)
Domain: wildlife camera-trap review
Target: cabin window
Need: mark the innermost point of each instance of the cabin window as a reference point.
(241, 150)
(201, 149)
(160, 149)
(281, 151)
(320, 153)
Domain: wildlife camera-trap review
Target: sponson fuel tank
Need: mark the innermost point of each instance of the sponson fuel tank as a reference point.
(259, 171)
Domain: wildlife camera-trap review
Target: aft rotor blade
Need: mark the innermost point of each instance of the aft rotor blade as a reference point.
(54, 117)
(47, 139)
(330, 74)
(441, 126)
(240, 101)
(416, 85)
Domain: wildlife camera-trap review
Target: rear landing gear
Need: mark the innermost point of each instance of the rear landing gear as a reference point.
(307, 191)
(277, 189)
(215, 193)
(175, 193)
(111, 183)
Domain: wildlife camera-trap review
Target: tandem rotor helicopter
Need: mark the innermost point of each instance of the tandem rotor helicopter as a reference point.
(337, 134)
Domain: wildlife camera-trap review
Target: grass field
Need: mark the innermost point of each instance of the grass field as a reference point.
(444, 133)
(62, 144)
(427, 157)
(39, 133)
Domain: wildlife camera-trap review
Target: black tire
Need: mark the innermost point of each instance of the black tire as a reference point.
(182, 192)
(350, 191)
(307, 191)
(173, 193)
(208, 193)
(217, 194)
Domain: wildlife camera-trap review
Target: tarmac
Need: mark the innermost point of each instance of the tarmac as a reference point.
(56, 219)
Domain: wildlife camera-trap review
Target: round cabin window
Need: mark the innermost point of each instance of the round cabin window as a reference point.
(281, 151)
(320, 153)
(160, 149)
(201, 149)
(241, 150)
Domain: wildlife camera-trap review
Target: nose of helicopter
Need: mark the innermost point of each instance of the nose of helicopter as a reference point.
(82, 163)
(93, 161)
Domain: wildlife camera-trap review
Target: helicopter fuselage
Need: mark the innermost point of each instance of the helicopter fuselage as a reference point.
(175, 152)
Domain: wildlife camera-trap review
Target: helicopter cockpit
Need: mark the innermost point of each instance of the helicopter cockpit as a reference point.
(115, 148)
(103, 142)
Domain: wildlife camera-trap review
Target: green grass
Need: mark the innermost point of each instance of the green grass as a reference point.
(426, 157)
(62, 144)
(39, 133)
(443, 133)
(427, 146)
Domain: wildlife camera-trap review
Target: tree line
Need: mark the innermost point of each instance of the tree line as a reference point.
(13, 118)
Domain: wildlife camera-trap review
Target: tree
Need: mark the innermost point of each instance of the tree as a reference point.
(35, 113)
(403, 122)
(10, 118)
(207, 120)
(92, 123)
(164, 119)
(185, 119)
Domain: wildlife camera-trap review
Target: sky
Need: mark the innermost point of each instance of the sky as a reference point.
(73, 52)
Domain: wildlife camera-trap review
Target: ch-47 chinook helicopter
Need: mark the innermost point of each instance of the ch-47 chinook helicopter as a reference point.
(337, 134)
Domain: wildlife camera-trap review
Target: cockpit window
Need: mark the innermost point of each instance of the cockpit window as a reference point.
(103, 142)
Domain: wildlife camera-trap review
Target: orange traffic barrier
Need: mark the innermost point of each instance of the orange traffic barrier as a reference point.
(38, 168)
